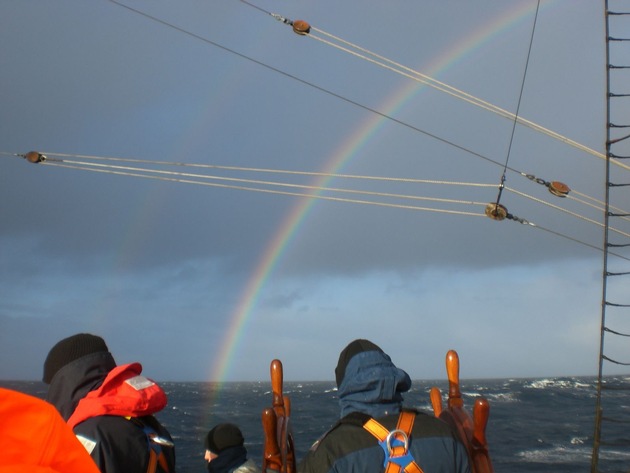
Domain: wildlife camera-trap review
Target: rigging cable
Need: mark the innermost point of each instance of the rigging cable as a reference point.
(272, 191)
(395, 120)
(434, 83)
(310, 84)
(576, 215)
(189, 178)
(36, 157)
(340, 97)
(518, 106)
(585, 200)
(423, 78)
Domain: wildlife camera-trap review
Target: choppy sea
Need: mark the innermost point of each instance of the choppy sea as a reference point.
(536, 425)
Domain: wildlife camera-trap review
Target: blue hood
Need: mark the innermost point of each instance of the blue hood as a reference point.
(372, 384)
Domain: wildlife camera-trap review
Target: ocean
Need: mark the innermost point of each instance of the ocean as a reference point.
(535, 425)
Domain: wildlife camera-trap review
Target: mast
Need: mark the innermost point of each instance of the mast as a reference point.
(614, 326)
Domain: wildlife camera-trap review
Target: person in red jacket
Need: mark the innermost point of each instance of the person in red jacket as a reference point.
(110, 408)
(35, 438)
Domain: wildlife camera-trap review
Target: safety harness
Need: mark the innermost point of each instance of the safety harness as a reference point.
(155, 442)
(128, 394)
(395, 443)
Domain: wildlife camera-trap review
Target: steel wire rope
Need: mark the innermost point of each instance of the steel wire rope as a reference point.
(310, 84)
(83, 166)
(318, 174)
(318, 87)
(574, 214)
(467, 97)
(592, 199)
(106, 167)
(62, 164)
(518, 107)
(270, 191)
(357, 104)
(265, 170)
(441, 86)
(575, 240)
(201, 38)
(142, 172)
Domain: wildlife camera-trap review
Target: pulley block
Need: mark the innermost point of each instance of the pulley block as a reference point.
(301, 27)
(496, 211)
(559, 189)
(34, 157)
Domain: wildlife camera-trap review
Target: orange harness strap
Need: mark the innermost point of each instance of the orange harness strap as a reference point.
(156, 452)
(155, 459)
(395, 444)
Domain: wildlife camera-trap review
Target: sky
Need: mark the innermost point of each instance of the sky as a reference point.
(211, 283)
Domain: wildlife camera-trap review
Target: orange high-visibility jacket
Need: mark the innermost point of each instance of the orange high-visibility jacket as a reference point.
(36, 439)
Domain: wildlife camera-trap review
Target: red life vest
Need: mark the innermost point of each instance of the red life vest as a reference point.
(125, 393)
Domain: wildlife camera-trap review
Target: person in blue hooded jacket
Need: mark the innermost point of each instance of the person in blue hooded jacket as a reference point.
(370, 436)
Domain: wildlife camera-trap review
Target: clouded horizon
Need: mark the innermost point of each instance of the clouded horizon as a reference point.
(212, 283)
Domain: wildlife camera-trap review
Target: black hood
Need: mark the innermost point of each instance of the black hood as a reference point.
(72, 382)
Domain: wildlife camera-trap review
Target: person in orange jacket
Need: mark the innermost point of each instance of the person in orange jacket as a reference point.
(36, 439)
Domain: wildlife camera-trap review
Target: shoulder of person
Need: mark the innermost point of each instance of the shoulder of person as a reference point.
(117, 432)
(248, 467)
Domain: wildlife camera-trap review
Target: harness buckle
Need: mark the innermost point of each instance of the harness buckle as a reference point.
(397, 449)
(155, 438)
(392, 436)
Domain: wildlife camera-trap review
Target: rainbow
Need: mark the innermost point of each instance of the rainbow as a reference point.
(342, 155)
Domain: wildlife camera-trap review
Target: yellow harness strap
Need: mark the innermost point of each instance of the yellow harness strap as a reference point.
(397, 457)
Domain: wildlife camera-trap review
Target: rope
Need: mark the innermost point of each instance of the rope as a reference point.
(124, 172)
(312, 174)
(599, 207)
(581, 217)
(438, 85)
(575, 240)
(78, 165)
(267, 170)
(163, 175)
(322, 174)
(518, 106)
(416, 76)
(141, 172)
(428, 80)
(602, 204)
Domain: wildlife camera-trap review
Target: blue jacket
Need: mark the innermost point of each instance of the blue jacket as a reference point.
(372, 387)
